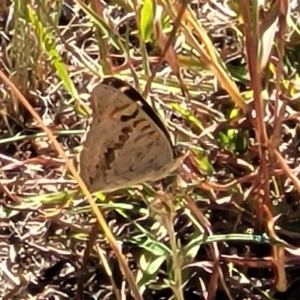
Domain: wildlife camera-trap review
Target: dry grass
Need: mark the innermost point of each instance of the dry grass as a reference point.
(224, 77)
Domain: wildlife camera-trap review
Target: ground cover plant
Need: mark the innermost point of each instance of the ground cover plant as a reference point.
(224, 77)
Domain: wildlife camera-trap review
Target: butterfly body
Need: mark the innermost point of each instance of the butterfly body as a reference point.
(126, 142)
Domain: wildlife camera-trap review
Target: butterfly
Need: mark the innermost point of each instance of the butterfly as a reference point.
(126, 143)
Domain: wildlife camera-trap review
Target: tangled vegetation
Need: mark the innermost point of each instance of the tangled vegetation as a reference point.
(223, 75)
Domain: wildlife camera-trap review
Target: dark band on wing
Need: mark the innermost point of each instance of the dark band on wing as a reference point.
(134, 95)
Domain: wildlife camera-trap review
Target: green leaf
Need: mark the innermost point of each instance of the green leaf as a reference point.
(147, 13)
(46, 40)
(149, 267)
(203, 162)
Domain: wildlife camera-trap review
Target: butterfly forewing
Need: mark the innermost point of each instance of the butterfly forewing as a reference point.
(126, 142)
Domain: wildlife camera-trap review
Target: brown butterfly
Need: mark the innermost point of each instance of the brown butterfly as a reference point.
(126, 142)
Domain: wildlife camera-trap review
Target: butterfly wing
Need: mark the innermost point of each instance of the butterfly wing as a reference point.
(126, 142)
